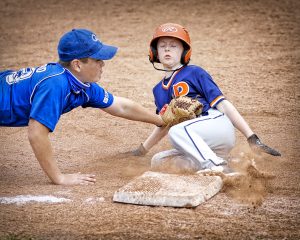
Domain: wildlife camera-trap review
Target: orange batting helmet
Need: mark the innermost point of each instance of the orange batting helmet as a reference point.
(171, 30)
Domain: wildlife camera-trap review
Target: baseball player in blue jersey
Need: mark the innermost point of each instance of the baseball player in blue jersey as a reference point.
(203, 142)
(37, 97)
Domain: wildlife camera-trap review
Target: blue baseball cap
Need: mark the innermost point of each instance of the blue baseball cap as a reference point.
(82, 43)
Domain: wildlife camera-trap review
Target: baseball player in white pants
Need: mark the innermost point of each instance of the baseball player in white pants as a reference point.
(203, 142)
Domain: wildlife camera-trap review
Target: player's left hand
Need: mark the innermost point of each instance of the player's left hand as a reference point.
(140, 151)
(257, 146)
(77, 179)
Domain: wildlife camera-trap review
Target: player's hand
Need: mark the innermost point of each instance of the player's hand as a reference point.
(258, 147)
(77, 179)
(140, 151)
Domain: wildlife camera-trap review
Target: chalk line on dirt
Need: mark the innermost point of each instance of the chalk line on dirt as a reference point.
(22, 199)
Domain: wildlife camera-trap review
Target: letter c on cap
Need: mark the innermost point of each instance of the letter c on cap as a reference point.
(94, 37)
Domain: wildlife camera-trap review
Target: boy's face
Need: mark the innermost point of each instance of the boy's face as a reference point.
(89, 71)
(169, 52)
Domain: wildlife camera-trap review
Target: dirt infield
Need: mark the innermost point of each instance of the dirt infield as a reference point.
(252, 50)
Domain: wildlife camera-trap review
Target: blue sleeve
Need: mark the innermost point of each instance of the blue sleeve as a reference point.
(209, 88)
(98, 97)
(47, 103)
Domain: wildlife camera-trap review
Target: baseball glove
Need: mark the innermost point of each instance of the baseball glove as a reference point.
(180, 109)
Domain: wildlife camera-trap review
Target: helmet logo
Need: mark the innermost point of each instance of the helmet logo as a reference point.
(169, 29)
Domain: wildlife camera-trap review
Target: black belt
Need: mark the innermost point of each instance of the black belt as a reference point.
(203, 114)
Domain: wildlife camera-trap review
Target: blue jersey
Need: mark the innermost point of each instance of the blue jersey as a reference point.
(191, 81)
(44, 94)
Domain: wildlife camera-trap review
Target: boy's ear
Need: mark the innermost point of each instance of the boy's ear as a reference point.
(76, 65)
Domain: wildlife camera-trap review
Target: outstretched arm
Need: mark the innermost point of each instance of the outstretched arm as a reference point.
(239, 122)
(40, 143)
(126, 108)
(235, 117)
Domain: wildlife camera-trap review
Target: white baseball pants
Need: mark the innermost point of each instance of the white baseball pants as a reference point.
(204, 141)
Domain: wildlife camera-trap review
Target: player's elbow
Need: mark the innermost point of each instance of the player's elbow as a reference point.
(36, 131)
(33, 135)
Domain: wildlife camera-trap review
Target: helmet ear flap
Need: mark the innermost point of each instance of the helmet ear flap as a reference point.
(186, 55)
(153, 55)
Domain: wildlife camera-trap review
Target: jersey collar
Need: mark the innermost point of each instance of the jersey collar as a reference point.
(76, 84)
(167, 86)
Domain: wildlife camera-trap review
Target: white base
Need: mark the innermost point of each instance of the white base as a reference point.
(173, 190)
